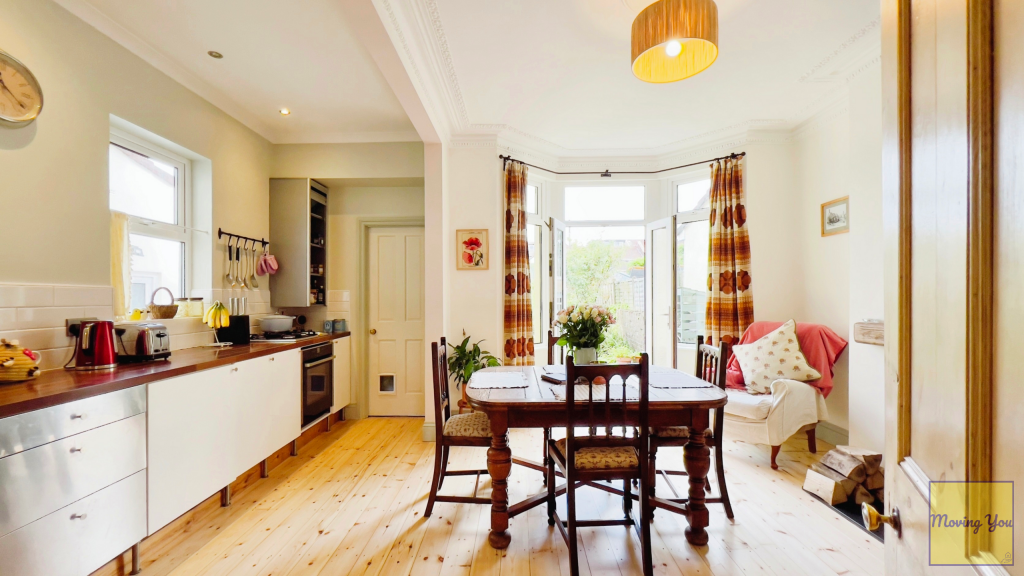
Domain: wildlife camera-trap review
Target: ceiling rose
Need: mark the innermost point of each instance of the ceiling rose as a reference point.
(674, 40)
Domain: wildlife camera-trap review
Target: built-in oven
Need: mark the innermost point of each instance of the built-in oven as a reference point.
(317, 381)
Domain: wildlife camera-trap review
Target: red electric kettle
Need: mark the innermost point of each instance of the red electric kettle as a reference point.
(95, 348)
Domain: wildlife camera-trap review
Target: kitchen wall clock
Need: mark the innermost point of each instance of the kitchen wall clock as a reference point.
(21, 98)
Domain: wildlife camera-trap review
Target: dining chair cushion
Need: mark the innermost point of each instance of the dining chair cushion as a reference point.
(677, 432)
(474, 424)
(612, 457)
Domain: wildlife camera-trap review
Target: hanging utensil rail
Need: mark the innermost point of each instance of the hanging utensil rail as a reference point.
(263, 243)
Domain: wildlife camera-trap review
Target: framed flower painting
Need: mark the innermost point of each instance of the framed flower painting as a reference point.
(472, 250)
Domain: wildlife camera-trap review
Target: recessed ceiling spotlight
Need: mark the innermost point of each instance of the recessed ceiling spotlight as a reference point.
(285, 111)
(215, 54)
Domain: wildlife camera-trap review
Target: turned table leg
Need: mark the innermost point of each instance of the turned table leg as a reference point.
(697, 461)
(499, 466)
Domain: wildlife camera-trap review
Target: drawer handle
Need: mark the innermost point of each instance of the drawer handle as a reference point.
(272, 358)
(78, 416)
(73, 450)
(78, 516)
(235, 369)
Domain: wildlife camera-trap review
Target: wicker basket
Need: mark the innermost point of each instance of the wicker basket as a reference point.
(162, 311)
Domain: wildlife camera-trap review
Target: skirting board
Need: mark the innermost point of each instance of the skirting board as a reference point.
(429, 432)
(833, 434)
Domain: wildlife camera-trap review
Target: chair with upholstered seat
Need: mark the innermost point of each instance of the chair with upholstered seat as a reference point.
(591, 401)
(711, 367)
(473, 429)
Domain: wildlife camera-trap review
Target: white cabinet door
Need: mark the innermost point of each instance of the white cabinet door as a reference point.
(191, 432)
(342, 373)
(269, 408)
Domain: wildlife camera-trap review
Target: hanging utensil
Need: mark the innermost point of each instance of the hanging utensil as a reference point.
(229, 276)
(252, 268)
(241, 264)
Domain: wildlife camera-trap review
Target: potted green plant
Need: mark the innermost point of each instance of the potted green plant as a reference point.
(582, 328)
(464, 360)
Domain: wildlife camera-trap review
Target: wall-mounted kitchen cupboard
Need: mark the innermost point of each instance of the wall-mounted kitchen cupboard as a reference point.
(298, 238)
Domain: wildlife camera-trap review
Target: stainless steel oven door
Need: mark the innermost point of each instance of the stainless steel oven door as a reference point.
(317, 388)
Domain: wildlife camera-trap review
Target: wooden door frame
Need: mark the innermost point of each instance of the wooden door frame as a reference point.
(362, 351)
(897, 226)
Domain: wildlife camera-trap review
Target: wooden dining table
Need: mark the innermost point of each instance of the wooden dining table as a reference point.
(536, 406)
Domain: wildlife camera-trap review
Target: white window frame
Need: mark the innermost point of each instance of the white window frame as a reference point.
(180, 232)
(539, 218)
(688, 215)
(604, 223)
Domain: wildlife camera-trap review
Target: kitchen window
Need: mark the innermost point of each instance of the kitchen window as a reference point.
(151, 186)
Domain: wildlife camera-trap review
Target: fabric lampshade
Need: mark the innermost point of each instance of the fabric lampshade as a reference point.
(689, 26)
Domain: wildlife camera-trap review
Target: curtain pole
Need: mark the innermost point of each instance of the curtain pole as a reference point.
(607, 174)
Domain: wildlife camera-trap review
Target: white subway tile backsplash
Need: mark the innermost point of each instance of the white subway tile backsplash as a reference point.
(8, 318)
(43, 339)
(83, 296)
(33, 318)
(55, 358)
(12, 296)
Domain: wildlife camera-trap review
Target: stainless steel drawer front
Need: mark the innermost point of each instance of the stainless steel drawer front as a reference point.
(82, 537)
(26, 431)
(37, 482)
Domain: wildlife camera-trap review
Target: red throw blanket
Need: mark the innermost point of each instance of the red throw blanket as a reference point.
(821, 346)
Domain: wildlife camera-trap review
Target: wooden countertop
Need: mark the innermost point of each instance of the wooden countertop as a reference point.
(56, 387)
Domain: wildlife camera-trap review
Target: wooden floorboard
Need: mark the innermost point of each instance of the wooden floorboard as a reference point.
(352, 502)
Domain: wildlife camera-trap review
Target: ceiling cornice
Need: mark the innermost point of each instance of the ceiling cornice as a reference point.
(834, 69)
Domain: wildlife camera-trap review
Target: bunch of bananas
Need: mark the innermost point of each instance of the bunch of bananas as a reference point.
(217, 316)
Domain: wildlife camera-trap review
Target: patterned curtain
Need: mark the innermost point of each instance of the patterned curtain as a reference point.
(518, 306)
(730, 305)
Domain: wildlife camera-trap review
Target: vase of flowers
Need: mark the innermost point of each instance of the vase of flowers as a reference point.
(582, 330)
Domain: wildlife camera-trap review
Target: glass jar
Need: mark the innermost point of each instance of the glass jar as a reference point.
(195, 307)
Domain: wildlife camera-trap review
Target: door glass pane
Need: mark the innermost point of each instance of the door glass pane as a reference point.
(532, 203)
(607, 203)
(558, 293)
(142, 186)
(533, 239)
(662, 339)
(605, 266)
(156, 263)
(693, 196)
(691, 288)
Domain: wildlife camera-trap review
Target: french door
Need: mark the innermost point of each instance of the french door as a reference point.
(660, 291)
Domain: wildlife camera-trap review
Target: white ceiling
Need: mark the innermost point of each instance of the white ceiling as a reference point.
(278, 54)
(558, 72)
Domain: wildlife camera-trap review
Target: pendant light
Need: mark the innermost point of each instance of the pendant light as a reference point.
(674, 40)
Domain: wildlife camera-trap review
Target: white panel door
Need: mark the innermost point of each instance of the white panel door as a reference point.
(396, 343)
(660, 289)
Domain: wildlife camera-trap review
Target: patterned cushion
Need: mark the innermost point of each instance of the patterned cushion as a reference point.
(474, 424)
(775, 356)
(603, 458)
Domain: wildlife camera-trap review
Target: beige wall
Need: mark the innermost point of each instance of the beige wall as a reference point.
(376, 160)
(55, 221)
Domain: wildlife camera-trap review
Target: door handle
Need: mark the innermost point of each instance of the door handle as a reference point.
(872, 519)
(373, 330)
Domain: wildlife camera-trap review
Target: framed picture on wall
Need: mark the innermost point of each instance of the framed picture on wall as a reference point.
(472, 250)
(835, 216)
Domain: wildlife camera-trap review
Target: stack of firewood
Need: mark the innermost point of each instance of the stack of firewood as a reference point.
(847, 474)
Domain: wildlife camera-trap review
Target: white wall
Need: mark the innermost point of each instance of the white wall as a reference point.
(55, 222)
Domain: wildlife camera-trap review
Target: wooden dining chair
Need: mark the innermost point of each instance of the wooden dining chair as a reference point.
(710, 367)
(596, 458)
(472, 429)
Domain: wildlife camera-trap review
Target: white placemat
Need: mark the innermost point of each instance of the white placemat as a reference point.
(582, 392)
(662, 377)
(493, 379)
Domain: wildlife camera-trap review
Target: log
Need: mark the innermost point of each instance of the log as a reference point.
(847, 465)
(862, 495)
(875, 481)
(880, 494)
(825, 488)
(848, 485)
(872, 460)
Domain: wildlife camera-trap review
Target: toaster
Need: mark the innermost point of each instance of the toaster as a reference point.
(139, 342)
